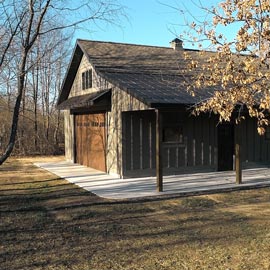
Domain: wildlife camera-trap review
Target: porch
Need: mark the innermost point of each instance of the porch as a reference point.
(112, 187)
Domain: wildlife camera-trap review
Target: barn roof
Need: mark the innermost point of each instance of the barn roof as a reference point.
(153, 75)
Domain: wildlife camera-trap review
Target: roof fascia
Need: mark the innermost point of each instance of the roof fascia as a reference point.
(71, 73)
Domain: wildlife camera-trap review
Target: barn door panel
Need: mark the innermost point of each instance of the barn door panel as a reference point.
(84, 141)
(96, 142)
(78, 139)
(90, 140)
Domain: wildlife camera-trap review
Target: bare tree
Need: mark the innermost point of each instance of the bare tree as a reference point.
(24, 22)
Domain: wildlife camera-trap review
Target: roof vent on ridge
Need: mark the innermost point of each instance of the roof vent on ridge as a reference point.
(177, 44)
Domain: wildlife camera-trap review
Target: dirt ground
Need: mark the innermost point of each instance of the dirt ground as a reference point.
(48, 223)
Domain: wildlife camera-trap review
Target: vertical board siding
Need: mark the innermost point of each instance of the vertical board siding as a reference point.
(173, 157)
(257, 147)
(181, 157)
(251, 129)
(197, 141)
(165, 157)
(136, 141)
(206, 137)
(138, 144)
(124, 145)
(263, 148)
(244, 140)
(141, 143)
(98, 83)
(153, 134)
(131, 142)
(189, 134)
(268, 151)
(185, 152)
(146, 144)
(127, 141)
(254, 148)
(196, 150)
(214, 144)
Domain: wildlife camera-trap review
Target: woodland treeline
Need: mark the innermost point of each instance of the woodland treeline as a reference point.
(35, 42)
(40, 129)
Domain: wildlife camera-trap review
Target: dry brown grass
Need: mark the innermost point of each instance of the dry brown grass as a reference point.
(47, 223)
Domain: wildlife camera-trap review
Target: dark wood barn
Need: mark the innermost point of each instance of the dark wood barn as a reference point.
(127, 112)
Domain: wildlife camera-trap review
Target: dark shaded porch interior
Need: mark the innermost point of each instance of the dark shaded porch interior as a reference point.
(189, 144)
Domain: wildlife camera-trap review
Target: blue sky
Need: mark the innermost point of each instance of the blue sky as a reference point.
(149, 22)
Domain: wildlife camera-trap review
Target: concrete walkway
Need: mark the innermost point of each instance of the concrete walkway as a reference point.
(111, 187)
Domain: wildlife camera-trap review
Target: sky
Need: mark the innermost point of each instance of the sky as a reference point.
(148, 22)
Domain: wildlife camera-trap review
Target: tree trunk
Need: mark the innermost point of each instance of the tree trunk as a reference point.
(14, 127)
(16, 112)
(35, 99)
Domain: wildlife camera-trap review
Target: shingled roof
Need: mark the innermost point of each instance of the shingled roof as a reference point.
(84, 101)
(154, 75)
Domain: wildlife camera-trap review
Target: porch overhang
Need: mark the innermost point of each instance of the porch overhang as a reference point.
(100, 98)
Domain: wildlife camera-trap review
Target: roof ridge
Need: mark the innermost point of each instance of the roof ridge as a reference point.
(123, 43)
(133, 44)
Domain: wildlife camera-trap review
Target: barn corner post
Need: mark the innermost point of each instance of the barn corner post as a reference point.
(238, 163)
(159, 166)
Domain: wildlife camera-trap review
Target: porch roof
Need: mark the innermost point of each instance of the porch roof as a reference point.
(85, 101)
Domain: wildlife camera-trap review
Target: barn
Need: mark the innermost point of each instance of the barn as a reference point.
(127, 112)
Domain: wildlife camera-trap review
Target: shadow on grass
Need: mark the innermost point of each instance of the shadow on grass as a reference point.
(31, 182)
(61, 226)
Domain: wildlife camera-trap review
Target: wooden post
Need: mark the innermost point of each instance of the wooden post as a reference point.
(159, 167)
(238, 165)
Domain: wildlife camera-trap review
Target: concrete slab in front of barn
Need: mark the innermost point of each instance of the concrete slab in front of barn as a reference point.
(112, 187)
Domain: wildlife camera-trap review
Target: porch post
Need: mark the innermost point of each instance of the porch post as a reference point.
(159, 167)
(238, 163)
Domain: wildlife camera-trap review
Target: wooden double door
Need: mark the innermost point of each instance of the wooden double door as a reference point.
(90, 140)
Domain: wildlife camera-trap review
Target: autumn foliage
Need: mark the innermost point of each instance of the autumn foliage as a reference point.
(239, 70)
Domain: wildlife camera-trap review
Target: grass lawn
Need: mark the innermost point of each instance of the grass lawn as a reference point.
(48, 223)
